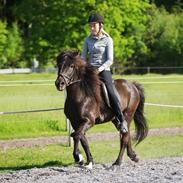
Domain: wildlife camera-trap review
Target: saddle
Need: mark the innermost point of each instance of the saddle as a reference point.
(106, 95)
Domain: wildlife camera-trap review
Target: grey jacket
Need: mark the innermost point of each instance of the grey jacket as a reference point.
(100, 51)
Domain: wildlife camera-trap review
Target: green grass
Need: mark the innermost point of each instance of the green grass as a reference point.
(58, 155)
(18, 98)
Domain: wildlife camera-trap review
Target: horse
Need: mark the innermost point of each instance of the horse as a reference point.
(85, 105)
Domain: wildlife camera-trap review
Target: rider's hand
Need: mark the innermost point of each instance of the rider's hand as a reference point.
(97, 71)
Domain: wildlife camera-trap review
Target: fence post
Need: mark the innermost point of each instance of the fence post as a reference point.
(148, 70)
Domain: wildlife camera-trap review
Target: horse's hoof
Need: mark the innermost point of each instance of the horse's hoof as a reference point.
(89, 166)
(136, 160)
(81, 160)
(116, 163)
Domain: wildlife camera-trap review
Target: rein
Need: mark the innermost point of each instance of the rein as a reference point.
(70, 82)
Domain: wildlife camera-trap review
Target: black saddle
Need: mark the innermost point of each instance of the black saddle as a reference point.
(106, 95)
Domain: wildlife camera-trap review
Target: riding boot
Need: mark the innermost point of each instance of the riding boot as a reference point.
(122, 123)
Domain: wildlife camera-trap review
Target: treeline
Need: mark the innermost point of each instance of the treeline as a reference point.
(145, 33)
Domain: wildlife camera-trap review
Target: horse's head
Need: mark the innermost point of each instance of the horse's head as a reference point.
(67, 63)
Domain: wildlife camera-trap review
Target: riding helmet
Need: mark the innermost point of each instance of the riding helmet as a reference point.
(95, 17)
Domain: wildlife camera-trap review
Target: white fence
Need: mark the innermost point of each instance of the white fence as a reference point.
(25, 70)
(145, 69)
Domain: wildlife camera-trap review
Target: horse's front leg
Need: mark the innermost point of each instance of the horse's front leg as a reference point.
(86, 148)
(77, 156)
(79, 134)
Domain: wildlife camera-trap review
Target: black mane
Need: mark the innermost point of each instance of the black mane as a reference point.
(91, 82)
(67, 53)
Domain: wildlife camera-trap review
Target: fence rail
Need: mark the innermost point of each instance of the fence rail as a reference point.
(26, 70)
(57, 109)
(31, 111)
(151, 69)
(117, 68)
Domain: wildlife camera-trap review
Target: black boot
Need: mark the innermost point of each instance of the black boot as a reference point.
(122, 123)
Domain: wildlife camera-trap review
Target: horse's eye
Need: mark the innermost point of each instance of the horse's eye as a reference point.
(72, 66)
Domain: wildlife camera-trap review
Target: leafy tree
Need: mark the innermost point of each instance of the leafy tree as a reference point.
(54, 25)
(11, 46)
(51, 26)
(3, 40)
(14, 47)
(142, 34)
(166, 39)
(169, 5)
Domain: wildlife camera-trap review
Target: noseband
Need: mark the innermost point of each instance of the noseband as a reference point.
(68, 80)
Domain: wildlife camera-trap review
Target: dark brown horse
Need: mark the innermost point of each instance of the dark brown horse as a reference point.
(85, 105)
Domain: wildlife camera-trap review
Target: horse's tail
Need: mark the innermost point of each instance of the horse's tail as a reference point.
(141, 126)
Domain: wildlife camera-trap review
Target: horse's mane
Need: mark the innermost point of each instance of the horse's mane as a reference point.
(90, 82)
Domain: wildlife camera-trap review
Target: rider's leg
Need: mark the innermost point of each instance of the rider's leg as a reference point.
(106, 77)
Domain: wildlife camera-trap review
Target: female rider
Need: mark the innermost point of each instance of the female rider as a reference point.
(99, 46)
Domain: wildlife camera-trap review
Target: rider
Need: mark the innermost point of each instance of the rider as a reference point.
(99, 46)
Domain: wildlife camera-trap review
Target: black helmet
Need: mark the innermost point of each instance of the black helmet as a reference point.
(95, 17)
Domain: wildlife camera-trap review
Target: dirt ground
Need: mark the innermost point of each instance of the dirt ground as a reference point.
(6, 144)
(164, 170)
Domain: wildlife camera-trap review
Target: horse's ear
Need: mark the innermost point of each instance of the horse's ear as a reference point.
(58, 58)
(61, 55)
(76, 53)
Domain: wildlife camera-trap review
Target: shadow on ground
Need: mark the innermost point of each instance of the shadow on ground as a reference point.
(47, 164)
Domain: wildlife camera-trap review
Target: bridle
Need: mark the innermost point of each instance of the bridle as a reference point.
(68, 80)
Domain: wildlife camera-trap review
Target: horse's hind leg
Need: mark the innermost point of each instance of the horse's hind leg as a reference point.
(124, 138)
(131, 154)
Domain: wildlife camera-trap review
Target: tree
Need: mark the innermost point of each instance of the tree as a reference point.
(169, 5)
(3, 40)
(14, 47)
(49, 26)
(54, 25)
(11, 46)
(166, 39)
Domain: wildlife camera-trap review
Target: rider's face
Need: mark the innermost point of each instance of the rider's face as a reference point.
(94, 28)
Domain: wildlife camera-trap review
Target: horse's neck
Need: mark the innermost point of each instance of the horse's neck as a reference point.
(78, 92)
(74, 92)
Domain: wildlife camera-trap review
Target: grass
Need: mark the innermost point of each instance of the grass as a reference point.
(17, 98)
(59, 155)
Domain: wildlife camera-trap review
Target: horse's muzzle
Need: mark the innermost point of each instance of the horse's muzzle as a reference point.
(60, 85)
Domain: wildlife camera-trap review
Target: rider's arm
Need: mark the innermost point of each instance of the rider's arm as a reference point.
(84, 51)
(109, 56)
